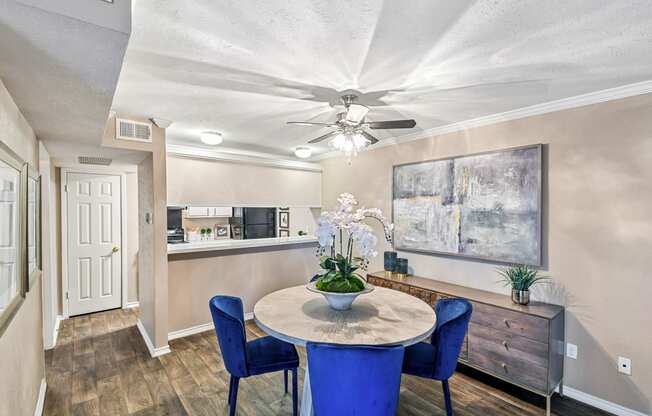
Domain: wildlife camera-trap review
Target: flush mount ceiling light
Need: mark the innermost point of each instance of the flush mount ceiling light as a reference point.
(211, 137)
(303, 152)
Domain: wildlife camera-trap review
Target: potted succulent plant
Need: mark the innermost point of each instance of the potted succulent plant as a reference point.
(342, 232)
(521, 278)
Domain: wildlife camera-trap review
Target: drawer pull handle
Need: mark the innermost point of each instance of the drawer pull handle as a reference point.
(506, 322)
(505, 345)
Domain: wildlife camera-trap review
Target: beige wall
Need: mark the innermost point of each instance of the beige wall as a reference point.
(207, 182)
(21, 344)
(597, 215)
(152, 256)
(248, 273)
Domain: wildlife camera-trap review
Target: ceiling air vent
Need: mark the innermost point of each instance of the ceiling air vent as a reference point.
(92, 160)
(133, 130)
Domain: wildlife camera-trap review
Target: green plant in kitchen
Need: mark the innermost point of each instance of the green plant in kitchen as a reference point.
(341, 232)
(521, 278)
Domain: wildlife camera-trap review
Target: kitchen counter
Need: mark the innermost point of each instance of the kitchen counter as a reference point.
(230, 244)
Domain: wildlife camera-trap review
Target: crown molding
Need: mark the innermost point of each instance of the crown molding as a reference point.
(237, 156)
(596, 97)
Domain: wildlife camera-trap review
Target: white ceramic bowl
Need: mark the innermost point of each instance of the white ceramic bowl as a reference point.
(340, 301)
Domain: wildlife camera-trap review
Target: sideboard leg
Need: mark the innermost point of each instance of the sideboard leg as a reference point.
(561, 389)
(548, 405)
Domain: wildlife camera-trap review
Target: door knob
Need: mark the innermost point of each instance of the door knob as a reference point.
(115, 249)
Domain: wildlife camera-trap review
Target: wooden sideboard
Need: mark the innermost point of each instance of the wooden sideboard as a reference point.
(523, 345)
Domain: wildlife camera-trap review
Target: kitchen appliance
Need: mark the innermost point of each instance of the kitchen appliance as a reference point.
(175, 226)
(250, 223)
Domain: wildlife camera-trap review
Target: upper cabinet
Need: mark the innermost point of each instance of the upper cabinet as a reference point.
(194, 182)
(204, 212)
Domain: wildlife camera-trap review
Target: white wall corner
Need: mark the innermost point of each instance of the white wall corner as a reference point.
(601, 404)
(40, 401)
(154, 352)
(52, 342)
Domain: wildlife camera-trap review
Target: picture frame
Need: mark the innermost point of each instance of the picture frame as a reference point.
(435, 210)
(12, 232)
(284, 219)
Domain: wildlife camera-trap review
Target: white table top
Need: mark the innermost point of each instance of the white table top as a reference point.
(382, 317)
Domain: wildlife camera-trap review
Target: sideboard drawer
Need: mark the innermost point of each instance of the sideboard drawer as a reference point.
(516, 323)
(492, 357)
(511, 345)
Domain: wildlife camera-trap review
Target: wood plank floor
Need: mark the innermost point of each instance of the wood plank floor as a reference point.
(101, 366)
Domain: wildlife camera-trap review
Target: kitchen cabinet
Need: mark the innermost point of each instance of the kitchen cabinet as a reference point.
(208, 212)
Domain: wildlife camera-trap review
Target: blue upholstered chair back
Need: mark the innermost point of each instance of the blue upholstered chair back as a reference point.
(453, 316)
(354, 380)
(228, 317)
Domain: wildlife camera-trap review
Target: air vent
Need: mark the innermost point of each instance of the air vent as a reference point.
(92, 160)
(133, 130)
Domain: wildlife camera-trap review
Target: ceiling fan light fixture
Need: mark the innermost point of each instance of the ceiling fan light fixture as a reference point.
(212, 138)
(303, 152)
(349, 143)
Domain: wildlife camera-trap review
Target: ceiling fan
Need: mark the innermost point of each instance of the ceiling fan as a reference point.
(349, 134)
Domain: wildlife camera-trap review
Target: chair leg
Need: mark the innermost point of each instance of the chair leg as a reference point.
(295, 392)
(447, 398)
(234, 395)
(230, 390)
(285, 380)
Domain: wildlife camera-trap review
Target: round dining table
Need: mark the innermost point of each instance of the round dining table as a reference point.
(382, 317)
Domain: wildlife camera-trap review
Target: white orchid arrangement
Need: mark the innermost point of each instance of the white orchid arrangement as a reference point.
(347, 223)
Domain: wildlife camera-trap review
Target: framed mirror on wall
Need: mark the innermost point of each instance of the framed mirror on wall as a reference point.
(33, 226)
(12, 225)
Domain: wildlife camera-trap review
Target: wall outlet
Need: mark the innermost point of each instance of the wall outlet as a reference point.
(571, 351)
(625, 365)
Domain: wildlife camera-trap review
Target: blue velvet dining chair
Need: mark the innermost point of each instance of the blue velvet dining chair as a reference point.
(437, 359)
(243, 359)
(354, 380)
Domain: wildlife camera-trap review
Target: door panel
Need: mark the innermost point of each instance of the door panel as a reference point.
(94, 243)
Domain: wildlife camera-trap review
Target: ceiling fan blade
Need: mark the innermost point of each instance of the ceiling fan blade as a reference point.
(392, 124)
(324, 137)
(355, 113)
(309, 123)
(372, 139)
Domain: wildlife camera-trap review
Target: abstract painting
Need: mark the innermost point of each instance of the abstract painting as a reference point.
(485, 206)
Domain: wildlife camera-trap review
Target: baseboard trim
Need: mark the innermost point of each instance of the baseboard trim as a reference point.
(599, 403)
(200, 328)
(154, 352)
(40, 401)
(130, 305)
(55, 333)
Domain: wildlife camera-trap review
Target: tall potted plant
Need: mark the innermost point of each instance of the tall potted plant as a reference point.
(343, 232)
(521, 278)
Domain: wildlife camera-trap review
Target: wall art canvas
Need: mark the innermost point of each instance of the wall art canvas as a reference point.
(485, 206)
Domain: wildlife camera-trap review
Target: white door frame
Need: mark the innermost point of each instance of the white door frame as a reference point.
(124, 266)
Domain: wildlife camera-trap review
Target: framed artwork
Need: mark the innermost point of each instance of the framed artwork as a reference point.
(485, 206)
(33, 226)
(12, 227)
(283, 233)
(284, 219)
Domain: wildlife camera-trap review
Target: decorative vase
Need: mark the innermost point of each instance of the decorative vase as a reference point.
(390, 262)
(340, 301)
(522, 297)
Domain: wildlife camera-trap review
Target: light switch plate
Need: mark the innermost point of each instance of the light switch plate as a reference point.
(625, 365)
(571, 351)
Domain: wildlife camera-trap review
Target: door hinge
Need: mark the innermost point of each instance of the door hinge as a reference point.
(65, 188)
(67, 296)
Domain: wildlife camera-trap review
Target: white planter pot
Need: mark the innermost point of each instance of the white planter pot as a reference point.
(340, 301)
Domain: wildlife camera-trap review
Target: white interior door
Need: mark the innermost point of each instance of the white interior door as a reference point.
(94, 242)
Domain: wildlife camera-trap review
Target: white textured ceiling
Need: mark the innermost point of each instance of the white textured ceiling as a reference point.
(245, 67)
(60, 63)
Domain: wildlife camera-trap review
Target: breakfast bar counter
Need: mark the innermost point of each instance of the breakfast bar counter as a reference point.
(231, 244)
